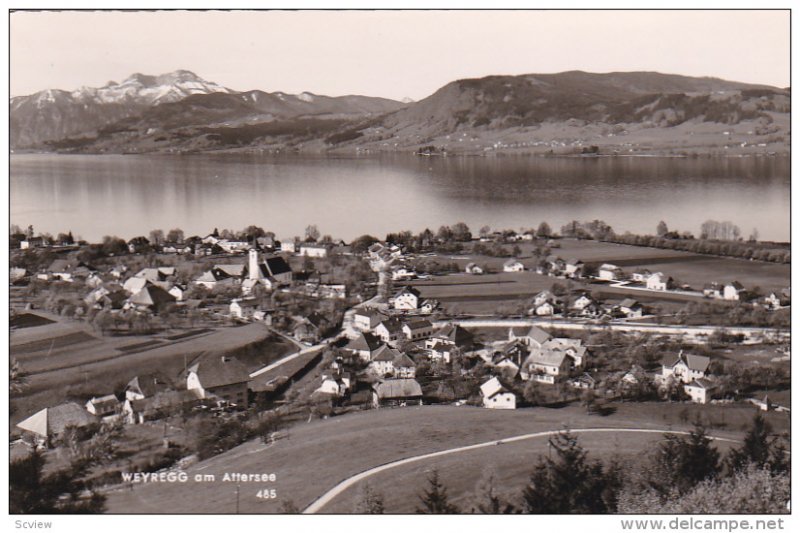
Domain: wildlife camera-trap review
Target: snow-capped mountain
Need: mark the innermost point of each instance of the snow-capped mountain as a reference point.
(55, 114)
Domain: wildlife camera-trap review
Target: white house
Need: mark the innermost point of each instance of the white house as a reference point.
(390, 330)
(659, 282)
(496, 396)
(630, 308)
(364, 346)
(533, 336)
(573, 268)
(177, 292)
(403, 273)
(733, 291)
(313, 250)
(640, 275)
(407, 299)
(686, 368)
(713, 290)
(512, 265)
(473, 268)
(367, 319)
(609, 272)
(582, 302)
(417, 329)
(699, 390)
(544, 309)
(243, 309)
(103, 406)
(288, 246)
(545, 365)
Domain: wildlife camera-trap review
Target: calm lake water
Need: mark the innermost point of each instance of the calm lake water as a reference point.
(128, 195)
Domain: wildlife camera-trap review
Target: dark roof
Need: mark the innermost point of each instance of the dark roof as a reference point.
(215, 370)
(364, 342)
(454, 334)
(149, 384)
(736, 285)
(393, 325)
(60, 265)
(629, 302)
(275, 265)
(537, 334)
(408, 289)
(152, 296)
(384, 353)
(698, 363)
(419, 324)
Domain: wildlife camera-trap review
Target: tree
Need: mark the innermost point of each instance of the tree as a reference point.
(370, 501)
(33, 492)
(461, 232)
(569, 483)
(484, 231)
(662, 229)
(157, 236)
(544, 231)
(361, 244)
(753, 235)
(680, 463)
(17, 377)
(312, 233)
(434, 499)
(486, 499)
(175, 235)
(757, 449)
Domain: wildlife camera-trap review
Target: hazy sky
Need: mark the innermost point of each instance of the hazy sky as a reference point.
(390, 53)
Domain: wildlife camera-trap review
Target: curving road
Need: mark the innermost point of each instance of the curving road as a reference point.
(326, 498)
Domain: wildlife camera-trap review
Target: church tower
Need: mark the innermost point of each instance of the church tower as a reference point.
(253, 269)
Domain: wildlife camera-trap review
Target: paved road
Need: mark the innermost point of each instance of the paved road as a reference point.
(326, 498)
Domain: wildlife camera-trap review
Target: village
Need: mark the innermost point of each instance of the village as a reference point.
(368, 325)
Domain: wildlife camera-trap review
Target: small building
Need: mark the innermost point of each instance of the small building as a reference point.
(415, 330)
(147, 385)
(685, 368)
(733, 291)
(151, 297)
(473, 268)
(288, 246)
(403, 273)
(397, 392)
(513, 265)
(364, 346)
(631, 308)
(103, 406)
(609, 272)
(582, 302)
(699, 390)
(496, 396)
(545, 365)
(573, 268)
(585, 382)
(243, 309)
(660, 282)
(407, 299)
(160, 405)
(453, 335)
(390, 330)
(533, 337)
(713, 290)
(50, 422)
(312, 249)
(640, 275)
(220, 376)
(367, 319)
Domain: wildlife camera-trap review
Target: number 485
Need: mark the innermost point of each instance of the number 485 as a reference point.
(267, 494)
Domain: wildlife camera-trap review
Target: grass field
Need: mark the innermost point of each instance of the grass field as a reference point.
(83, 370)
(316, 456)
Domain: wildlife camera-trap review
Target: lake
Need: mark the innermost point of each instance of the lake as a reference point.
(128, 195)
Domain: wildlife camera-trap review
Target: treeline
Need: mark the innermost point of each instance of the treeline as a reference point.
(683, 474)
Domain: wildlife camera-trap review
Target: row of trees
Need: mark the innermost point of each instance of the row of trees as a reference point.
(683, 474)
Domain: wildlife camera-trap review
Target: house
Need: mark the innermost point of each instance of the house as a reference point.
(552, 265)
(507, 364)
(515, 351)
(582, 302)
(533, 336)
(512, 265)
(634, 376)
(151, 297)
(573, 348)
(177, 292)
(403, 273)
(428, 306)
(776, 301)
(213, 279)
(160, 405)
(310, 249)
(311, 328)
(640, 275)
(544, 309)
(609, 272)
(288, 246)
(390, 362)
(134, 284)
(496, 396)
(397, 392)
(390, 330)
(453, 335)
(660, 282)
(407, 299)
(331, 385)
(220, 376)
(473, 268)
(103, 406)
(146, 385)
(367, 319)
(545, 365)
(685, 368)
(232, 271)
(51, 422)
(631, 308)
(17, 274)
(441, 352)
(699, 390)
(364, 346)
(417, 329)
(733, 291)
(713, 290)
(544, 297)
(274, 267)
(573, 268)
(156, 274)
(243, 309)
